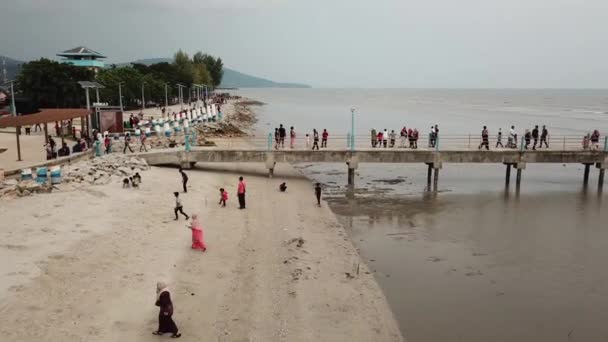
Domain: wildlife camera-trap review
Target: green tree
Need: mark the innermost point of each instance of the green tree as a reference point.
(52, 84)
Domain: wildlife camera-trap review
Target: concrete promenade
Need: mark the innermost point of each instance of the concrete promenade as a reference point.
(434, 159)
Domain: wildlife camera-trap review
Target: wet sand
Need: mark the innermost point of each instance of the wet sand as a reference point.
(82, 266)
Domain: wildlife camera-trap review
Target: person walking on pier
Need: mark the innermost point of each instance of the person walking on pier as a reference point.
(179, 207)
(410, 137)
(499, 138)
(527, 137)
(485, 139)
(432, 137)
(241, 190)
(127, 143)
(385, 138)
(374, 137)
(324, 137)
(277, 139)
(380, 138)
(512, 140)
(403, 137)
(292, 138)
(543, 137)
(184, 179)
(415, 134)
(393, 138)
(595, 139)
(282, 135)
(315, 139)
(318, 193)
(535, 136)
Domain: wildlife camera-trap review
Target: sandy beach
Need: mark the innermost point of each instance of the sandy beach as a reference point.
(82, 265)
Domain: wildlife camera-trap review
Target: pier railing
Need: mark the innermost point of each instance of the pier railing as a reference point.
(446, 142)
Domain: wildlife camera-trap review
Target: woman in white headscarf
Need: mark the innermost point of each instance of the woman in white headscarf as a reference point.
(165, 320)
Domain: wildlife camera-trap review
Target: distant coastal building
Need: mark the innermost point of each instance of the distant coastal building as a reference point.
(84, 57)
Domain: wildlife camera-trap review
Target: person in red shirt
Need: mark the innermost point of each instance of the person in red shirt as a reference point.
(241, 193)
(324, 137)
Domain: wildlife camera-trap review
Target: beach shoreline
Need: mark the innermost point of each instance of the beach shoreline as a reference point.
(84, 263)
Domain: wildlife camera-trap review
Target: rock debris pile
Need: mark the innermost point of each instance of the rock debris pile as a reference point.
(97, 171)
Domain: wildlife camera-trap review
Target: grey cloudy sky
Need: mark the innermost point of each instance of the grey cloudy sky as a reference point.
(336, 43)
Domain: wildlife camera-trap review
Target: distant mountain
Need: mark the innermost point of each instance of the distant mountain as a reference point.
(233, 78)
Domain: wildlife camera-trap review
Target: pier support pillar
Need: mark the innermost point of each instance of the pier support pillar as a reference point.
(429, 174)
(353, 164)
(520, 167)
(508, 175)
(435, 179)
(600, 178)
(586, 175)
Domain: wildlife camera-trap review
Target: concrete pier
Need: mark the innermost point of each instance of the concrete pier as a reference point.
(433, 159)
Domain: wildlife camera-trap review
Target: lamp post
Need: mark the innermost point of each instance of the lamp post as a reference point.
(143, 100)
(120, 96)
(352, 129)
(14, 113)
(181, 99)
(166, 98)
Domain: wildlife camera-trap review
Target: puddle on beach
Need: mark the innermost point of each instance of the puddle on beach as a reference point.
(476, 263)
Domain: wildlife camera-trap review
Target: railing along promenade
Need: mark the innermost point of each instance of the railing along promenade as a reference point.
(352, 151)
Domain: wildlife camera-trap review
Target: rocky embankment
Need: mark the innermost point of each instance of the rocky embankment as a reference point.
(237, 122)
(97, 171)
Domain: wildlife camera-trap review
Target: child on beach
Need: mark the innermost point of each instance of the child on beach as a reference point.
(179, 207)
(223, 197)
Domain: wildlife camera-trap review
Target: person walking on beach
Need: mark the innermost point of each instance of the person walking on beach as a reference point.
(324, 136)
(282, 135)
(198, 242)
(223, 197)
(127, 142)
(165, 315)
(315, 139)
(485, 139)
(535, 136)
(543, 137)
(178, 207)
(374, 137)
(292, 138)
(499, 138)
(318, 193)
(184, 179)
(142, 140)
(241, 189)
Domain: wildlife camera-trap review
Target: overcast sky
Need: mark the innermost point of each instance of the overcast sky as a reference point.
(336, 43)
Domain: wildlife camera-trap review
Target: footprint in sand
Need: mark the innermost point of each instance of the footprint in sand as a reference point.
(14, 247)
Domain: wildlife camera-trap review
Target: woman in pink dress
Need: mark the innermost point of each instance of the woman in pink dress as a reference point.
(197, 234)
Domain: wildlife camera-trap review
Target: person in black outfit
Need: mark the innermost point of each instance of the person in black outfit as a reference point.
(64, 151)
(318, 193)
(543, 137)
(282, 135)
(527, 137)
(315, 137)
(184, 179)
(283, 187)
(535, 136)
(165, 314)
